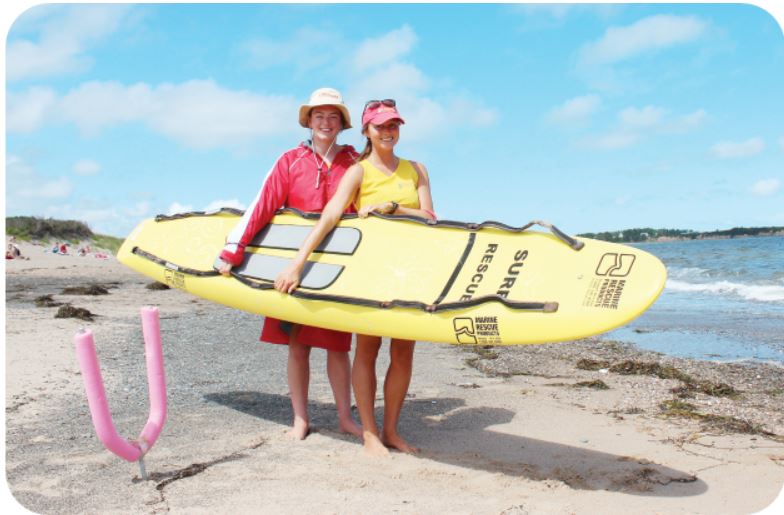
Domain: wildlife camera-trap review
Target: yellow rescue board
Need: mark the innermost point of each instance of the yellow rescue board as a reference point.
(455, 283)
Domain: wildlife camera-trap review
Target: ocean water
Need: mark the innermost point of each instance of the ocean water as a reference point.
(724, 301)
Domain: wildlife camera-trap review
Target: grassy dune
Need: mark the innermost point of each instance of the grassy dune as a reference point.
(30, 228)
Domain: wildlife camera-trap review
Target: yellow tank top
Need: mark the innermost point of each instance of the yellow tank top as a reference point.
(377, 187)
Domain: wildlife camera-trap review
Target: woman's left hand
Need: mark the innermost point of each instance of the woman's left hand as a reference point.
(382, 208)
(288, 279)
(365, 211)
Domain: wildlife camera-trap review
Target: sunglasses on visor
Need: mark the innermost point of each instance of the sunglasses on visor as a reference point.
(373, 104)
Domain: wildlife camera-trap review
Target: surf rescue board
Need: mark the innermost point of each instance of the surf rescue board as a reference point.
(450, 282)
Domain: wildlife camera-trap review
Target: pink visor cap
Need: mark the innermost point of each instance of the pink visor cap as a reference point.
(380, 115)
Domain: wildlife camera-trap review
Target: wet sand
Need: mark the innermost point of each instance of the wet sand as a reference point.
(583, 427)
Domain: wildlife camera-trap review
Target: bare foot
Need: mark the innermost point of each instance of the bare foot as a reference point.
(395, 441)
(350, 427)
(300, 430)
(373, 445)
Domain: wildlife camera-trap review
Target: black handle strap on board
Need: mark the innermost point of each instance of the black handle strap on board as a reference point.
(172, 266)
(468, 226)
(546, 307)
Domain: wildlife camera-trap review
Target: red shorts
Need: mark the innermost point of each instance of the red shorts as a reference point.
(308, 335)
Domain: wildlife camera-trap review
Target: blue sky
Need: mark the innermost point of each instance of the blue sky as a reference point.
(593, 117)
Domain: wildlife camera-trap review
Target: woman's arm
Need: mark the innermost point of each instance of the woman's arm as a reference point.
(271, 196)
(288, 279)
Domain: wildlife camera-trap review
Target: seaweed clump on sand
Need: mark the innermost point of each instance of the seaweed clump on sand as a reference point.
(484, 352)
(68, 311)
(46, 301)
(690, 384)
(596, 384)
(157, 286)
(93, 289)
(722, 423)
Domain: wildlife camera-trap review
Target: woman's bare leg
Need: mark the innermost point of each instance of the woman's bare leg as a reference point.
(299, 380)
(363, 378)
(401, 353)
(339, 373)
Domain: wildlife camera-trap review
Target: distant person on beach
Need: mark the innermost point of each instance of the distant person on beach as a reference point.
(13, 251)
(305, 178)
(380, 182)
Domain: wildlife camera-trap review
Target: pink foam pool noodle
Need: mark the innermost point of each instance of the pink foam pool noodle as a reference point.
(156, 380)
(96, 395)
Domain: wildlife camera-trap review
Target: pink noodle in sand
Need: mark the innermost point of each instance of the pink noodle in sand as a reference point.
(96, 395)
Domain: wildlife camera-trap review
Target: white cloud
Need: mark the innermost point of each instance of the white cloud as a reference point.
(647, 117)
(27, 111)
(385, 49)
(638, 123)
(176, 207)
(735, 149)
(766, 187)
(575, 109)
(781, 142)
(217, 204)
(86, 167)
(95, 105)
(691, 120)
(396, 80)
(201, 114)
(198, 113)
(378, 72)
(65, 33)
(646, 35)
(27, 190)
(548, 16)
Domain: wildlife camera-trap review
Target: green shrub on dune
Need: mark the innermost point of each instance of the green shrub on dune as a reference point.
(30, 228)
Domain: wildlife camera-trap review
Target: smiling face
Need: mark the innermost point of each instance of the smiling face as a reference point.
(384, 136)
(326, 123)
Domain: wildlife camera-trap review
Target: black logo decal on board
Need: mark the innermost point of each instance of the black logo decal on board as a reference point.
(464, 330)
(482, 330)
(615, 265)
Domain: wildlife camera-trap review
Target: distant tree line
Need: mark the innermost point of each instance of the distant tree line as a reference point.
(648, 234)
(33, 228)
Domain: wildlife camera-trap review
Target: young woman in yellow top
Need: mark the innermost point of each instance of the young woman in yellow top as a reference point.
(380, 182)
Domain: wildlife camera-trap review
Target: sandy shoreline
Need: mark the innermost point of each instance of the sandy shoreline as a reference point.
(503, 430)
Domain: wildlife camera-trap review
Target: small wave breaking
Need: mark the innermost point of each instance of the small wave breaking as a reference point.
(755, 292)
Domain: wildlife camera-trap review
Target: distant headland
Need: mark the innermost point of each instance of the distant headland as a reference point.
(653, 235)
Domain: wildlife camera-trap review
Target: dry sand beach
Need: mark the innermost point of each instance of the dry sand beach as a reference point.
(583, 427)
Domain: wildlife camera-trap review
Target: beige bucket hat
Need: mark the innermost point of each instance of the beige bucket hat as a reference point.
(324, 97)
